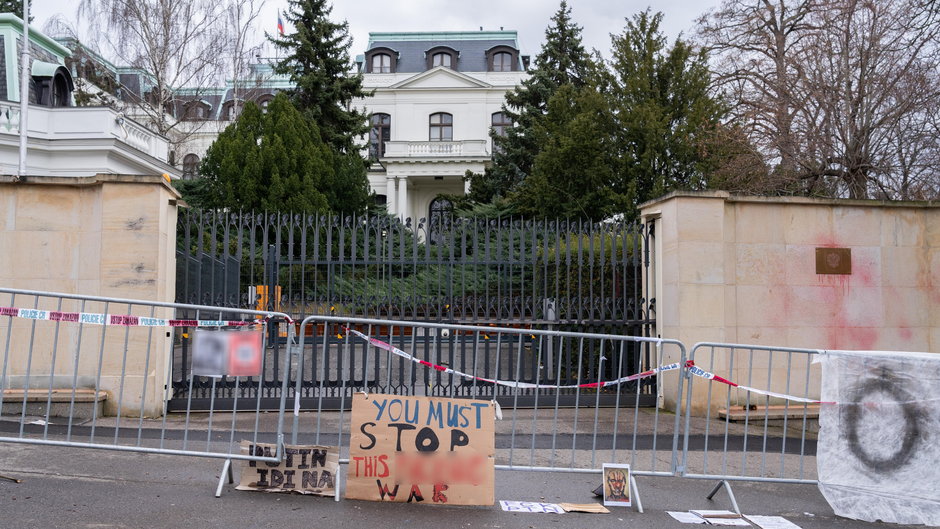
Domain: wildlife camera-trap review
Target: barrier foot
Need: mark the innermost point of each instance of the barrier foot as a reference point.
(336, 484)
(636, 494)
(226, 471)
(727, 487)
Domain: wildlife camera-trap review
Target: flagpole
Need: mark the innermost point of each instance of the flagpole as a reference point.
(24, 91)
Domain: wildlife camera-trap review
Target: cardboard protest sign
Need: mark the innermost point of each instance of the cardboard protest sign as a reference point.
(304, 469)
(421, 449)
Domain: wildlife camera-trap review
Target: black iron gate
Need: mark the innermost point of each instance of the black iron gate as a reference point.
(557, 275)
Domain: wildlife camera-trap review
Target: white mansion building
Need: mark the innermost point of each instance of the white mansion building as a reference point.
(435, 98)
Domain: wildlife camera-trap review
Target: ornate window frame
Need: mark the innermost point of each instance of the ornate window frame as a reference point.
(442, 51)
(443, 123)
(380, 51)
(493, 53)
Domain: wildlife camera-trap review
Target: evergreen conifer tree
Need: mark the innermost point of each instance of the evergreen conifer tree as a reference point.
(277, 161)
(572, 175)
(562, 60)
(316, 58)
(661, 109)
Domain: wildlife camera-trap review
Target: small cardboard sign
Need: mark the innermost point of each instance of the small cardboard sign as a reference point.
(303, 469)
(422, 450)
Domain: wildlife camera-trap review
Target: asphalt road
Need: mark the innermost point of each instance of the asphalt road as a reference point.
(74, 487)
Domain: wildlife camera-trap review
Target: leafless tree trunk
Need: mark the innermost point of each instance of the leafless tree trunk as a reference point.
(839, 94)
(240, 17)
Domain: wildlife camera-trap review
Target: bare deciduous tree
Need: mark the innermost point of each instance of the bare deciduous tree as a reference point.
(838, 94)
(757, 47)
(173, 44)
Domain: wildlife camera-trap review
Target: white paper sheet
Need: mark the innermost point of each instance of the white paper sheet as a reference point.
(531, 506)
(728, 521)
(686, 517)
(771, 522)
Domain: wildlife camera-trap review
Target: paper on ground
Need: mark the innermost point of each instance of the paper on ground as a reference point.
(728, 521)
(771, 522)
(715, 514)
(876, 454)
(686, 517)
(531, 506)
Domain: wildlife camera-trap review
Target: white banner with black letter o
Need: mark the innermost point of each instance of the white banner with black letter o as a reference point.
(878, 448)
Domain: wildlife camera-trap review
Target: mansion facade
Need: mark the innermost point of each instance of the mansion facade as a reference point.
(435, 98)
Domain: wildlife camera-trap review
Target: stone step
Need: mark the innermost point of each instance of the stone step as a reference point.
(59, 400)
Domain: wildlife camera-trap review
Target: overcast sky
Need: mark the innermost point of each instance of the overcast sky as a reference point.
(598, 18)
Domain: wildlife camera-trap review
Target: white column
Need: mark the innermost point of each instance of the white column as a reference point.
(391, 198)
(403, 197)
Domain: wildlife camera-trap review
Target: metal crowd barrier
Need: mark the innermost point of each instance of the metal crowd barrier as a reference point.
(574, 419)
(94, 372)
(764, 399)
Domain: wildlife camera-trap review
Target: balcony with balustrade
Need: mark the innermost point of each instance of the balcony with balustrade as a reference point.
(80, 141)
(437, 151)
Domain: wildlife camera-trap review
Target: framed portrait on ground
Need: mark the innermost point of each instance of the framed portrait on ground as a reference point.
(616, 485)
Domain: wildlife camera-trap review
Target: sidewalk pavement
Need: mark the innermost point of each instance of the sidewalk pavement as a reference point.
(79, 487)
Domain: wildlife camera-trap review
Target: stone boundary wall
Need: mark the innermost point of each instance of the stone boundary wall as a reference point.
(744, 270)
(106, 235)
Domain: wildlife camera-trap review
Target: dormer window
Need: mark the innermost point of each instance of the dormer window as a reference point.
(381, 60)
(197, 111)
(52, 84)
(441, 59)
(230, 111)
(442, 56)
(381, 63)
(264, 101)
(502, 59)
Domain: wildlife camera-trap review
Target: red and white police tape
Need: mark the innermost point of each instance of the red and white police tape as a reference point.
(123, 320)
(689, 364)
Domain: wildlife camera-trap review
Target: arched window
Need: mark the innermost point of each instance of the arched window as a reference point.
(190, 166)
(442, 127)
(263, 103)
(441, 59)
(60, 91)
(379, 134)
(500, 122)
(502, 59)
(502, 62)
(197, 111)
(229, 111)
(381, 60)
(442, 56)
(381, 63)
